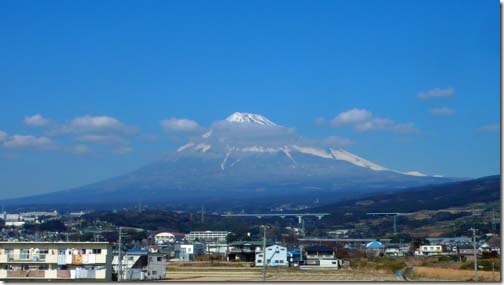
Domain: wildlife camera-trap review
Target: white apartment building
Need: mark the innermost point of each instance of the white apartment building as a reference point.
(85, 261)
(207, 236)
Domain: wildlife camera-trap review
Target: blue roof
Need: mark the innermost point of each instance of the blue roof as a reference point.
(293, 252)
(374, 244)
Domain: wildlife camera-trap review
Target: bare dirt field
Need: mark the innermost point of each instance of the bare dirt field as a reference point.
(431, 273)
(200, 272)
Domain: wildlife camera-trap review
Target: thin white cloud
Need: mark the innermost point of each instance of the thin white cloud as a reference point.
(79, 149)
(337, 141)
(352, 116)
(30, 142)
(320, 121)
(408, 128)
(101, 138)
(90, 124)
(436, 93)
(36, 120)
(374, 124)
(442, 111)
(3, 136)
(362, 120)
(180, 125)
(102, 129)
(123, 150)
(489, 128)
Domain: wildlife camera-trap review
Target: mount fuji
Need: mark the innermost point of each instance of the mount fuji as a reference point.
(244, 156)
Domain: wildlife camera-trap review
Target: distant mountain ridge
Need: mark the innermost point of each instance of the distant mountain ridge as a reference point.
(243, 156)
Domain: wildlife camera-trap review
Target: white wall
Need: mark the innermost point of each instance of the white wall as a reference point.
(277, 255)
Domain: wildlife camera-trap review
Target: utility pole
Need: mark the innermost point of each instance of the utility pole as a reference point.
(400, 247)
(264, 254)
(395, 224)
(119, 264)
(475, 255)
(493, 271)
(202, 214)
(493, 221)
(300, 254)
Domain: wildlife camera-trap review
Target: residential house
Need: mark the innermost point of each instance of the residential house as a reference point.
(276, 255)
(244, 250)
(466, 252)
(139, 264)
(431, 249)
(189, 251)
(375, 248)
(321, 257)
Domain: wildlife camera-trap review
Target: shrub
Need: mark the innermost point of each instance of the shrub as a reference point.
(390, 264)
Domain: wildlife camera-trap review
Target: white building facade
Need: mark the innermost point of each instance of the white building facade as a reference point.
(276, 255)
(164, 238)
(141, 265)
(85, 261)
(207, 236)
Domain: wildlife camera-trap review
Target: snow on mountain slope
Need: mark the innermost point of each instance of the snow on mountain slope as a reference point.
(186, 146)
(212, 139)
(203, 147)
(414, 173)
(336, 154)
(313, 151)
(249, 118)
(354, 159)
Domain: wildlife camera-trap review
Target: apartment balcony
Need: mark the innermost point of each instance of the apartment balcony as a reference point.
(53, 274)
(24, 258)
(51, 259)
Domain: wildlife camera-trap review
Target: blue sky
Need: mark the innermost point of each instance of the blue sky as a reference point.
(411, 85)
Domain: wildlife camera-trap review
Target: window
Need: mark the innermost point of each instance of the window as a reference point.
(43, 253)
(97, 250)
(334, 262)
(259, 261)
(150, 258)
(281, 261)
(130, 258)
(160, 258)
(24, 254)
(154, 272)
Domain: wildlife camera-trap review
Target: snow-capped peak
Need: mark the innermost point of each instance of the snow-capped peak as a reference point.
(249, 118)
